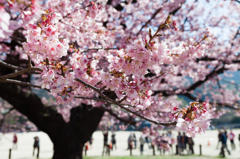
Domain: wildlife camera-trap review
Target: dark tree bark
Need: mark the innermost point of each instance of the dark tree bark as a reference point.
(68, 138)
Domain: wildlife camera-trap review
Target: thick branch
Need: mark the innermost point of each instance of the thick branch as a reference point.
(193, 86)
(27, 103)
(210, 75)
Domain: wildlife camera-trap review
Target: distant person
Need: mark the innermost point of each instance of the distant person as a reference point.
(184, 141)
(148, 141)
(226, 134)
(15, 140)
(36, 145)
(191, 143)
(90, 141)
(224, 143)
(153, 147)
(162, 151)
(86, 147)
(105, 137)
(231, 138)
(179, 144)
(113, 140)
(219, 138)
(141, 141)
(135, 141)
(130, 140)
(105, 142)
(169, 134)
(239, 138)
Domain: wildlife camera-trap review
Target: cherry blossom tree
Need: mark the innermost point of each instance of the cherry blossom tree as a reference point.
(125, 59)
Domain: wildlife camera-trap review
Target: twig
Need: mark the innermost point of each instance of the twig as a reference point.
(153, 16)
(120, 101)
(22, 83)
(153, 78)
(11, 75)
(2, 63)
(29, 62)
(100, 49)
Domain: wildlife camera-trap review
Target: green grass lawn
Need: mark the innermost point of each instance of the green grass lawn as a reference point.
(151, 157)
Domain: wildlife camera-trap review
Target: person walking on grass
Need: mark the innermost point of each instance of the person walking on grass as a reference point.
(148, 141)
(130, 140)
(184, 142)
(36, 145)
(179, 144)
(113, 140)
(224, 144)
(135, 140)
(161, 149)
(239, 138)
(169, 134)
(190, 144)
(231, 138)
(105, 142)
(141, 141)
(90, 141)
(15, 139)
(219, 138)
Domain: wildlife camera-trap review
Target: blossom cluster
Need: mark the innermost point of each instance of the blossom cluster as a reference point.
(4, 22)
(193, 119)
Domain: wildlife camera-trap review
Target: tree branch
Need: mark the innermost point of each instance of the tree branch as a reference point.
(11, 75)
(121, 106)
(2, 63)
(153, 16)
(100, 49)
(22, 83)
(218, 104)
(197, 84)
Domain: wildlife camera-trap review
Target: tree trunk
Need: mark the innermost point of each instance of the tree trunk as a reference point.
(73, 154)
(69, 140)
(67, 145)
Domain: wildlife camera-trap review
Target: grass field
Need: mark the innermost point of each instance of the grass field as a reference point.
(151, 157)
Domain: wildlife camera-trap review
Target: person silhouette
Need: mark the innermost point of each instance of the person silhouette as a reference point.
(15, 139)
(36, 145)
(113, 140)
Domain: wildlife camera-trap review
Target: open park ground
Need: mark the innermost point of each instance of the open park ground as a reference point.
(25, 146)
